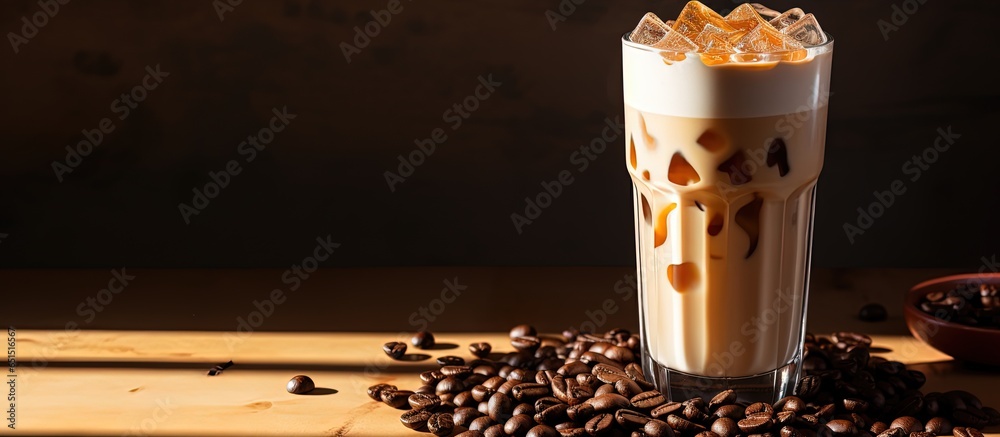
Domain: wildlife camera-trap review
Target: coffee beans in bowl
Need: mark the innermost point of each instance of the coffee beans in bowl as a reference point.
(958, 315)
(844, 391)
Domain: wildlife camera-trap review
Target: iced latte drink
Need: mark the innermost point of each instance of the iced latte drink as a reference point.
(725, 119)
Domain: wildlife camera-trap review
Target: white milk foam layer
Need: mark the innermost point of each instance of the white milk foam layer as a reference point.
(689, 88)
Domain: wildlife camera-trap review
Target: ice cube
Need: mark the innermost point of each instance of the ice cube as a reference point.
(765, 11)
(695, 17)
(714, 40)
(806, 31)
(786, 19)
(674, 41)
(744, 18)
(766, 39)
(650, 30)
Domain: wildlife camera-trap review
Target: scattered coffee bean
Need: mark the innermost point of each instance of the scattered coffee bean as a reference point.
(397, 398)
(415, 419)
(300, 384)
(749, 425)
(873, 312)
(542, 431)
(481, 350)
(522, 331)
(725, 427)
(375, 391)
(526, 343)
(600, 424)
(470, 433)
(908, 424)
(961, 431)
(423, 340)
(421, 401)
(841, 427)
(724, 397)
(451, 360)
(441, 424)
(969, 304)
(217, 369)
(394, 349)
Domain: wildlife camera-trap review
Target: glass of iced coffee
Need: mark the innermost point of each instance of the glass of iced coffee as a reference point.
(726, 121)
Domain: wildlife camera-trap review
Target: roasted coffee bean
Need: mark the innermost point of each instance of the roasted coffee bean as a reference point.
(706, 434)
(300, 384)
(631, 420)
(760, 408)
(581, 412)
(415, 419)
(523, 331)
(783, 418)
(470, 433)
(604, 389)
(588, 379)
(543, 403)
(481, 423)
(419, 401)
(526, 344)
(494, 431)
(809, 420)
(724, 397)
(450, 384)
(486, 370)
(693, 414)
(634, 371)
(521, 375)
(441, 424)
(619, 354)
(494, 382)
(431, 376)
(961, 431)
(788, 431)
(428, 389)
(993, 414)
(397, 398)
(922, 434)
(851, 338)
(375, 391)
(518, 425)
(790, 403)
(481, 349)
(524, 408)
(681, 424)
(451, 360)
(648, 400)
(608, 403)
(970, 417)
(909, 406)
(732, 411)
(600, 425)
(542, 431)
(908, 424)
(463, 416)
(507, 388)
(474, 380)
(552, 415)
(394, 349)
(753, 424)
(530, 391)
(423, 340)
(841, 427)
(725, 427)
(855, 405)
(481, 393)
(574, 368)
(893, 432)
(500, 407)
(594, 358)
(457, 371)
(668, 409)
(572, 431)
(826, 411)
(627, 387)
(808, 386)
(696, 402)
(878, 427)
(658, 428)
(607, 373)
(938, 426)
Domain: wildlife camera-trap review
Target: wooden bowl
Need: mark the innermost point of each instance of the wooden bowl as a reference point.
(962, 342)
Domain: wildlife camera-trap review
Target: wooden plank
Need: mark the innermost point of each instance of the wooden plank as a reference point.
(154, 383)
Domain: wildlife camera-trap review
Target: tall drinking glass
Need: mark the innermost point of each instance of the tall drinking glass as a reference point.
(724, 159)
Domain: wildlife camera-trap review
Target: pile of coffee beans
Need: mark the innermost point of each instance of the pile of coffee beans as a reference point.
(969, 304)
(581, 384)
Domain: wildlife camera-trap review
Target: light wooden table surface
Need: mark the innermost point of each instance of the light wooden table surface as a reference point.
(154, 383)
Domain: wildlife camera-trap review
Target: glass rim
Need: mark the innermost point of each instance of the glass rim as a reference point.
(810, 50)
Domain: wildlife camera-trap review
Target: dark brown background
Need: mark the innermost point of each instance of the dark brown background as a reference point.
(324, 174)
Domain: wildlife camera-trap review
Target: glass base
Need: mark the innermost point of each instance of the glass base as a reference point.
(765, 387)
